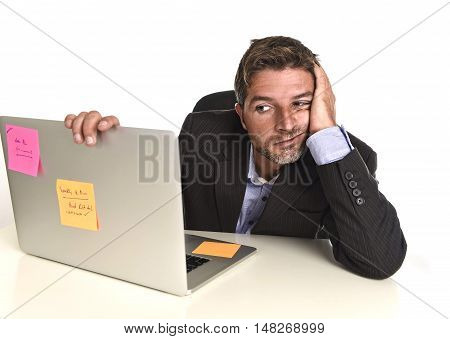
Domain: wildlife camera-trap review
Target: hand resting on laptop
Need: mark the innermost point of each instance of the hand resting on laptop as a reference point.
(86, 125)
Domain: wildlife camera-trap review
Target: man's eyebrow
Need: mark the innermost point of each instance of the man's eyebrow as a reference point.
(264, 98)
(306, 94)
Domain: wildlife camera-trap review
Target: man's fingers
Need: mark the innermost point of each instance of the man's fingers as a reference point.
(90, 127)
(108, 122)
(322, 82)
(86, 125)
(69, 120)
(321, 78)
(77, 125)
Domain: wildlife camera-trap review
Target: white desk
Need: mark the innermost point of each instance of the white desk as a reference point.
(287, 278)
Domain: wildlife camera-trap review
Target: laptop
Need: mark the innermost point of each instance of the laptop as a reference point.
(135, 174)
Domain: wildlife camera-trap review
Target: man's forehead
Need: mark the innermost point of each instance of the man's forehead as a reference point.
(280, 83)
(286, 75)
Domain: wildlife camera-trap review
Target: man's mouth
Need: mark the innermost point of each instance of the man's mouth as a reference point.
(288, 141)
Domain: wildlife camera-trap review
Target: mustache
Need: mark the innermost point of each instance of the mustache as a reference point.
(286, 136)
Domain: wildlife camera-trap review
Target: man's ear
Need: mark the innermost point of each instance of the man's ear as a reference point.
(239, 110)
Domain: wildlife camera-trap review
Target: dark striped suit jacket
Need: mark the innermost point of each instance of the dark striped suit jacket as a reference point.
(307, 200)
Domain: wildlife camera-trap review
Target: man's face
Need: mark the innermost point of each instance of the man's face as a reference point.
(276, 113)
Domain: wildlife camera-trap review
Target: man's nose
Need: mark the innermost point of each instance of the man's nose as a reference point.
(286, 120)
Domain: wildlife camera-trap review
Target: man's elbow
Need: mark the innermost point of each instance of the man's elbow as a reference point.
(385, 268)
(373, 267)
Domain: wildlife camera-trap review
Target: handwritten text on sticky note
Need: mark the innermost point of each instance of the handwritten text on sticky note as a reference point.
(23, 149)
(77, 204)
(217, 249)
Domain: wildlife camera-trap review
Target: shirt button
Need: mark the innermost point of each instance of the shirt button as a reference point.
(360, 200)
(352, 183)
(356, 192)
(348, 175)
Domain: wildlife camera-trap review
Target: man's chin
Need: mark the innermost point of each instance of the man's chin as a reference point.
(283, 157)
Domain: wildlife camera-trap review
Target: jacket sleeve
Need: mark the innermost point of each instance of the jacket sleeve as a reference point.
(361, 223)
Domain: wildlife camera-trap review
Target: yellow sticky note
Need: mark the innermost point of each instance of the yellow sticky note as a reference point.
(77, 204)
(217, 249)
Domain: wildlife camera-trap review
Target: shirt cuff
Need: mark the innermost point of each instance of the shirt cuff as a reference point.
(329, 145)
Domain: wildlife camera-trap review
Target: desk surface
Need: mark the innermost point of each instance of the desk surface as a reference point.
(286, 278)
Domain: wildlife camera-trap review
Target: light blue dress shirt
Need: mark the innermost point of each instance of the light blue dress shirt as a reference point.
(326, 146)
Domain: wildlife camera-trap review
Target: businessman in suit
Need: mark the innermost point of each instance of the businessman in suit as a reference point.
(279, 164)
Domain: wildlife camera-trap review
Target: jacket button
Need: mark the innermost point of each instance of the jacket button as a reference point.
(356, 192)
(352, 183)
(360, 201)
(348, 175)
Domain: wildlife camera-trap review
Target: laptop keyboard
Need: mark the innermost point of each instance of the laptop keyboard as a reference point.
(192, 262)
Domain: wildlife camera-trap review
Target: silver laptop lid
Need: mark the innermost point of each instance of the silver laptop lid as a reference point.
(136, 178)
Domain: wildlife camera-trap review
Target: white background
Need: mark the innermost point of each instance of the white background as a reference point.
(171, 53)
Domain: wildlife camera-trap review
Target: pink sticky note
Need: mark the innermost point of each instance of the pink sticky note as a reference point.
(23, 149)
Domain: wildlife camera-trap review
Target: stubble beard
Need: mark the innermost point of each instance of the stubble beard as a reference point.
(286, 156)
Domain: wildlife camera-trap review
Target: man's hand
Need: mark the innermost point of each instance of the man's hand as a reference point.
(323, 111)
(85, 126)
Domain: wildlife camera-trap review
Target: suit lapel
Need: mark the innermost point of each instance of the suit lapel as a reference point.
(231, 182)
(293, 181)
(230, 185)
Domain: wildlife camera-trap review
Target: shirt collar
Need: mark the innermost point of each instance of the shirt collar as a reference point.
(253, 175)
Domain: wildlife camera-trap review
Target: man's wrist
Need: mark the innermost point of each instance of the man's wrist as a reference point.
(322, 128)
(329, 144)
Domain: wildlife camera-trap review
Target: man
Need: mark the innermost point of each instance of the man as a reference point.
(279, 164)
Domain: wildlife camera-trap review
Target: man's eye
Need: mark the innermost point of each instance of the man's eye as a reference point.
(262, 108)
(301, 104)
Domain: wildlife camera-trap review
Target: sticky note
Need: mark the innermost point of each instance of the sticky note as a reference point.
(77, 204)
(217, 249)
(23, 149)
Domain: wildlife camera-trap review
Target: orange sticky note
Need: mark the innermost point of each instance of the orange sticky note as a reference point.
(77, 204)
(217, 249)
